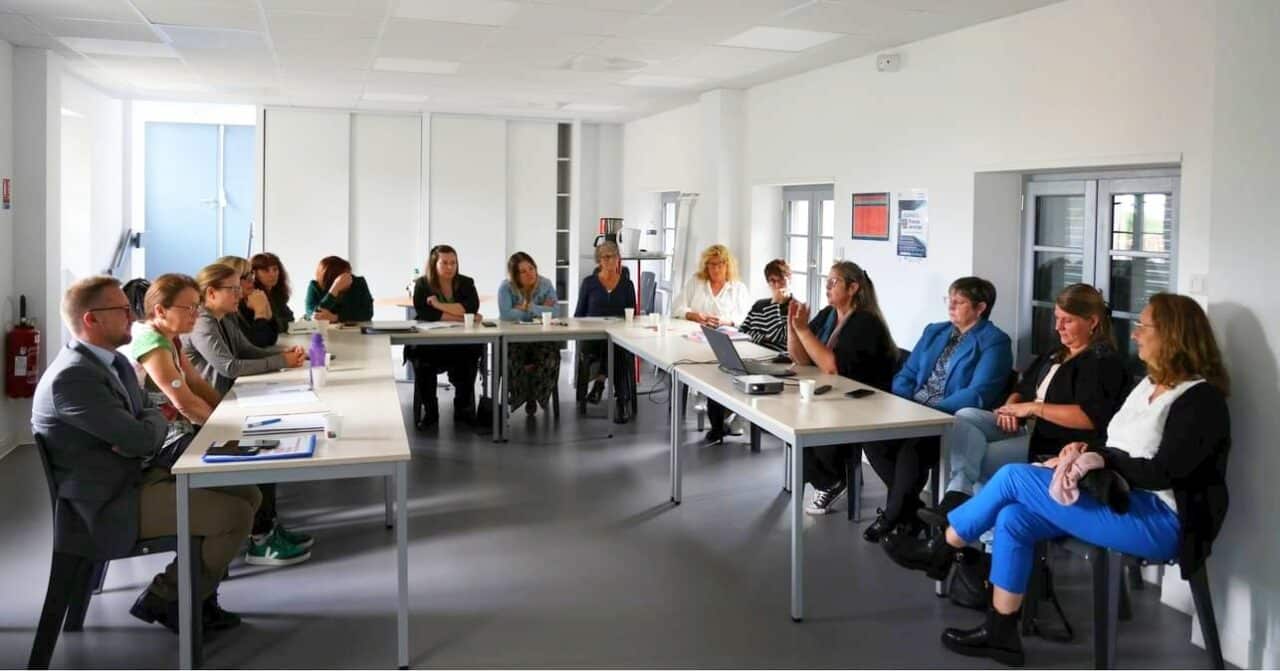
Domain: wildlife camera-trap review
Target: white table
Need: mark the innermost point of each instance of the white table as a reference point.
(830, 419)
(373, 443)
(479, 334)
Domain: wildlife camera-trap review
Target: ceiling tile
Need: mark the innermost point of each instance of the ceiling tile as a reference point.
(477, 12)
(683, 28)
(631, 6)
(780, 39)
(306, 25)
(236, 14)
(557, 19)
(343, 53)
(229, 41)
(519, 39)
(863, 17)
(746, 10)
(19, 31)
(530, 57)
(432, 40)
(974, 11)
(311, 72)
(103, 30)
(349, 7)
(645, 50)
(99, 10)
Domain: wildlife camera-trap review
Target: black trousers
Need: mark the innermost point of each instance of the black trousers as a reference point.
(903, 465)
(265, 518)
(824, 466)
(715, 416)
(460, 362)
(593, 357)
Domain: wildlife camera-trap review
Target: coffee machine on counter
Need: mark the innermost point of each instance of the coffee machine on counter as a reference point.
(611, 230)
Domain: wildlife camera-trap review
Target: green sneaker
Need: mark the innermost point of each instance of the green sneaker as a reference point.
(274, 550)
(297, 538)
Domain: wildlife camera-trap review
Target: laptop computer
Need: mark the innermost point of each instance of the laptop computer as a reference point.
(731, 362)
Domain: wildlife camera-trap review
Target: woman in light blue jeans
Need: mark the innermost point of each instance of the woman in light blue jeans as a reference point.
(977, 448)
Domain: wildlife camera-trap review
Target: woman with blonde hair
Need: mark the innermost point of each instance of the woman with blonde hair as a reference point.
(1166, 447)
(714, 296)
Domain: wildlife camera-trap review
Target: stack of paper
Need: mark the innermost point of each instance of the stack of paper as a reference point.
(268, 425)
(259, 394)
(290, 447)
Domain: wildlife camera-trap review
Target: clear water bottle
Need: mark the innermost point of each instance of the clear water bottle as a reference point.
(318, 356)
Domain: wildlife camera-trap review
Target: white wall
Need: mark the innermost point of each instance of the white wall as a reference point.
(660, 153)
(531, 193)
(469, 195)
(386, 156)
(1244, 307)
(11, 417)
(1066, 85)
(93, 184)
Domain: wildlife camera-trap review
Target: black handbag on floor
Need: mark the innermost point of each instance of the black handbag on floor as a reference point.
(969, 585)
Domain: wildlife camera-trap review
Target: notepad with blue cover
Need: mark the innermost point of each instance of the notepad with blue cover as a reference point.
(290, 447)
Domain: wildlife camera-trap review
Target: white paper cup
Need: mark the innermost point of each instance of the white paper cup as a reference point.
(664, 323)
(806, 389)
(322, 326)
(469, 320)
(629, 314)
(332, 425)
(328, 359)
(653, 319)
(318, 377)
(546, 319)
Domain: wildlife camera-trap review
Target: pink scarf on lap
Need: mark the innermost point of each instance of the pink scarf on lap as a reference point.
(1065, 485)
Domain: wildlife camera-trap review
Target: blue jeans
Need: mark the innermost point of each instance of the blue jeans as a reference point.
(1017, 504)
(977, 448)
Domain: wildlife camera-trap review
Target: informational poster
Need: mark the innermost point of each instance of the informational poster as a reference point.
(871, 216)
(913, 223)
(4, 198)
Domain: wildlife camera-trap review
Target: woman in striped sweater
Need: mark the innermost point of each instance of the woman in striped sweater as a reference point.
(767, 321)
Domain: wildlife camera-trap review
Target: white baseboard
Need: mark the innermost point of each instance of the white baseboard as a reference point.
(7, 443)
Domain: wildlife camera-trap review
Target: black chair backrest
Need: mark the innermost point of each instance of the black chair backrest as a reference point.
(1010, 384)
(48, 472)
(903, 355)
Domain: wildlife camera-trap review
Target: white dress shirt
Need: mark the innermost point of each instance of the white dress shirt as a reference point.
(731, 304)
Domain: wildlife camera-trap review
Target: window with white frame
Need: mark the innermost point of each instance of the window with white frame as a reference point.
(669, 203)
(809, 222)
(1117, 233)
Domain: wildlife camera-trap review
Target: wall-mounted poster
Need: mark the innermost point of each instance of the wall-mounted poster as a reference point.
(871, 216)
(913, 224)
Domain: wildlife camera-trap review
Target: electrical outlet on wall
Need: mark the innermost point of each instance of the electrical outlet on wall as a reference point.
(1198, 282)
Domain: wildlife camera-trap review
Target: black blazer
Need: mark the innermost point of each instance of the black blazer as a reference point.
(1094, 379)
(82, 412)
(1192, 461)
(464, 292)
(863, 348)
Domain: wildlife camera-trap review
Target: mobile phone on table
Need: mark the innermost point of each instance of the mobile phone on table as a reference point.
(860, 393)
(232, 448)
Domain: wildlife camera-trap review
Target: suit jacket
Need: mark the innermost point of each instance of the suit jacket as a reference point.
(976, 372)
(221, 351)
(82, 411)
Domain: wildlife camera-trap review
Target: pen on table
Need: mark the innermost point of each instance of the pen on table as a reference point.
(273, 420)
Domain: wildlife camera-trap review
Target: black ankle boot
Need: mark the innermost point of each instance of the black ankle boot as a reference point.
(215, 618)
(151, 608)
(933, 555)
(877, 530)
(996, 638)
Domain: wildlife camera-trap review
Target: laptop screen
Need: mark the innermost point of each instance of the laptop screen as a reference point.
(724, 350)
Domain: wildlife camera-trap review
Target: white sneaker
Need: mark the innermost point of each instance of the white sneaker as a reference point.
(824, 501)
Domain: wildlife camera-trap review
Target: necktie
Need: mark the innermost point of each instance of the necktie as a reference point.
(127, 379)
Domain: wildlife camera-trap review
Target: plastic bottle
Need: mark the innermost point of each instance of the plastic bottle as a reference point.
(318, 356)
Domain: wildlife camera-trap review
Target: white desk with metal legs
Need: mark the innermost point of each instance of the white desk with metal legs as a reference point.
(489, 336)
(591, 328)
(830, 419)
(359, 387)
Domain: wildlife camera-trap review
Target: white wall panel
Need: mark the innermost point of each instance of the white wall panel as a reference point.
(469, 195)
(531, 190)
(386, 203)
(306, 199)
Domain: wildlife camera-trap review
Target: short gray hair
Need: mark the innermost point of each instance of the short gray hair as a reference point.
(83, 296)
(607, 246)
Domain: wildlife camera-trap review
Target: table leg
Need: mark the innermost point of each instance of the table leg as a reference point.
(186, 600)
(797, 532)
(388, 497)
(495, 384)
(402, 568)
(677, 422)
(504, 414)
(610, 383)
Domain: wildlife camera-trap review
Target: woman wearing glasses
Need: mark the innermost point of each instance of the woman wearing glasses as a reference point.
(766, 322)
(607, 292)
(221, 353)
(257, 318)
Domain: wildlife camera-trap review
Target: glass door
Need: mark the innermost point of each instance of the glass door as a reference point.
(809, 214)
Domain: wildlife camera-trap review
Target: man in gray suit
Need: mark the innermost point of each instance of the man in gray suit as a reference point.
(102, 435)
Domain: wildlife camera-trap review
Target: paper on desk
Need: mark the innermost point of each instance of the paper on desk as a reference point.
(431, 326)
(303, 422)
(733, 333)
(260, 394)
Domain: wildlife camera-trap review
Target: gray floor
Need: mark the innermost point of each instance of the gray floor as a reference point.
(557, 549)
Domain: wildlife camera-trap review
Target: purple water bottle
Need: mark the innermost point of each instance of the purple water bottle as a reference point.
(318, 356)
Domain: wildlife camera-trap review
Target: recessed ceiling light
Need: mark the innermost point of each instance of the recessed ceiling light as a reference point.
(394, 98)
(475, 12)
(662, 82)
(417, 65)
(589, 107)
(779, 39)
(89, 45)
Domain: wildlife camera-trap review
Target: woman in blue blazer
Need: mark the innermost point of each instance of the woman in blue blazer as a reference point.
(960, 363)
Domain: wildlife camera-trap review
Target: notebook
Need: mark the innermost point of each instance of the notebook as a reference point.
(271, 425)
(291, 447)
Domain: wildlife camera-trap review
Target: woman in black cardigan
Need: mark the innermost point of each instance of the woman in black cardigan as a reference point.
(444, 295)
(1169, 442)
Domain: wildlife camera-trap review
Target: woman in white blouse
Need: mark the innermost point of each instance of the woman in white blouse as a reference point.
(714, 297)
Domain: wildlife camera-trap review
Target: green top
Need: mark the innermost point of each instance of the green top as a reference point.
(354, 305)
(147, 339)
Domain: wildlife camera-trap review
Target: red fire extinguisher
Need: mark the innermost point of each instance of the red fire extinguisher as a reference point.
(22, 351)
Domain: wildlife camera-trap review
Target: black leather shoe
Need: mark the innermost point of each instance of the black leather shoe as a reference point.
(622, 412)
(877, 530)
(996, 638)
(151, 608)
(597, 390)
(714, 437)
(933, 556)
(215, 618)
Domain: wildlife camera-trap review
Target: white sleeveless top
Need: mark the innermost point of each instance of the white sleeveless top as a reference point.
(1139, 425)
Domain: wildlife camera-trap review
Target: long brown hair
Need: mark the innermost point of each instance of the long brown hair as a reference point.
(1086, 302)
(513, 274)
(865, 299)
(164, 291)
(1188, 348)
(264, 260)
(329, 269)
(433, 277)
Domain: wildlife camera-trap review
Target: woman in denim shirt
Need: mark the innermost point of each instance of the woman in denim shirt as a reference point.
(533, 368)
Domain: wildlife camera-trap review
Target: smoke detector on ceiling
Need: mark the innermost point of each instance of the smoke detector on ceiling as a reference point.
(595, 63)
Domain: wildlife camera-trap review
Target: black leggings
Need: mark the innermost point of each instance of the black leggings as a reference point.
(265, 519)
(460, 362)
(903, 465)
